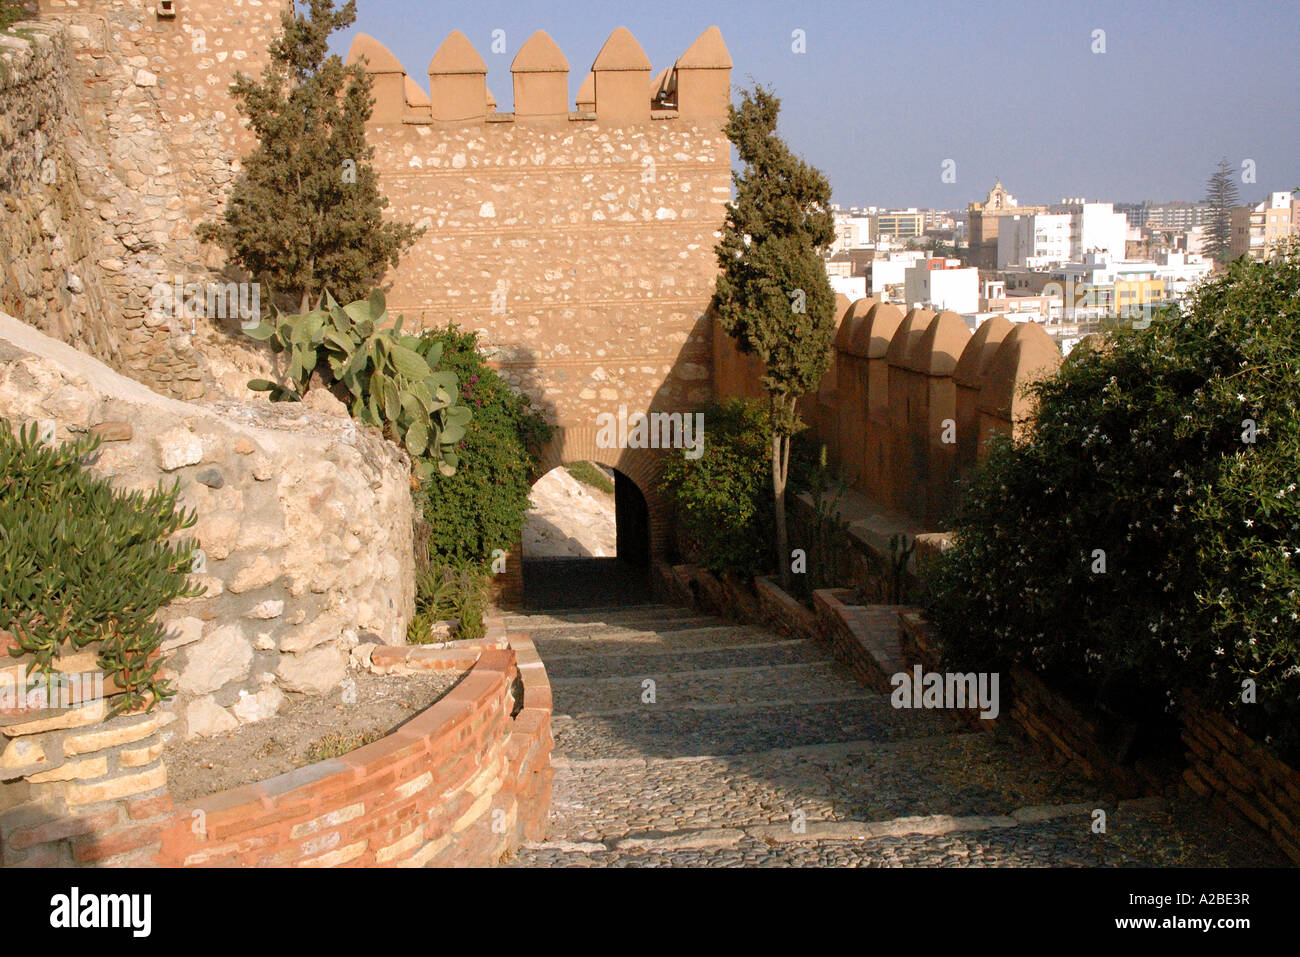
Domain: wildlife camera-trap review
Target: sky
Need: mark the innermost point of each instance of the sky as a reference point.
(885, 93)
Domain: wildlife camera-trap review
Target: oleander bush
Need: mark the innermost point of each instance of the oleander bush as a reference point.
(81, 562)
(482, 506)
(1143, 540)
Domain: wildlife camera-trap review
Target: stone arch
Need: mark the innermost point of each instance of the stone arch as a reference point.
(577, 443)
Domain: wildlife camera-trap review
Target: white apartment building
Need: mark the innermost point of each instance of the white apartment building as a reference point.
(1065, 233)
(1179, 271)
(854, 287)
(852, 231)
(956, 290)
(891, 270)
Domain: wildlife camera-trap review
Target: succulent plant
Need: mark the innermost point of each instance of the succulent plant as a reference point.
(391, 378)
(83, 563)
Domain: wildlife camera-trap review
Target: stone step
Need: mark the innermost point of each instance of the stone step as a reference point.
(960, 774)
(740, 729)
(1144, 833)
(614, 614)
(638, 661)
(624, 641)
(716, 688)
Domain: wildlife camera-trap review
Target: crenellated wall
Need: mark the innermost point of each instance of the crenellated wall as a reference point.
(578, 242)
(910, 399)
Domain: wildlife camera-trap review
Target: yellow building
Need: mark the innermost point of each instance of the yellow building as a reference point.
(900, 225)
(1257, 230)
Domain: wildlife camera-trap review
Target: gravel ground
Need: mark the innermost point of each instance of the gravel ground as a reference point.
(255, 752)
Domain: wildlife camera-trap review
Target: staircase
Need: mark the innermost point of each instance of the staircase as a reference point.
(682, 739)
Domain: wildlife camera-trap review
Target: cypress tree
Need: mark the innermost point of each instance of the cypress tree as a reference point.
(773, 296)
(306, 214)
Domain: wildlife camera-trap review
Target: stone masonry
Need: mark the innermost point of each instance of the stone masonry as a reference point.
(120, 136)
(579, 243)
(304, 519)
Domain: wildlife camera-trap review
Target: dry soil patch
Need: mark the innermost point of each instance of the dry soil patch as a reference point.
(262, 750)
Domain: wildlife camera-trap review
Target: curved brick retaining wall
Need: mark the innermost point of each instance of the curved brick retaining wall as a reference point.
(462, 783)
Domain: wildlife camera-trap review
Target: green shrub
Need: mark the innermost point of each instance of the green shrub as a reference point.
(447, 593)
(81, 562)
(11, 11)
(593, 475)
(482, 506)
(723, 499)
(822, 534)
(393, 381)
(1141, 455)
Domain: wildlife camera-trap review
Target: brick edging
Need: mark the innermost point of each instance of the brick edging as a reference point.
(462, 783)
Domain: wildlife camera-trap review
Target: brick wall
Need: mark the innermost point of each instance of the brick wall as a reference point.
(462, 783)
(1241, 777)
(78, 789)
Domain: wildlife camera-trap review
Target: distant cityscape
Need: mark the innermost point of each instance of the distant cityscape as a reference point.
(1069, 266)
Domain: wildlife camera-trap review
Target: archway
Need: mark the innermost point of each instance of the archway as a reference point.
(644, 531)
(586, 540)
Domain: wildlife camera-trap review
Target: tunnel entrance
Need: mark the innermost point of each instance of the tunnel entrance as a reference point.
(586, 540)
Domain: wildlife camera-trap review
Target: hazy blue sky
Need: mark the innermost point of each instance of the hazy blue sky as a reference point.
(889, 90)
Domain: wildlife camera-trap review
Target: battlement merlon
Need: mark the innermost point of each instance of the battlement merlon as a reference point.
(618, 90)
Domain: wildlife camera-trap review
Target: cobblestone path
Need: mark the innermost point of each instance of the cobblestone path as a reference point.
(762, 751)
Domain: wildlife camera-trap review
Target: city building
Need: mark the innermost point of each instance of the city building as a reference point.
(1257, 230)
(942, 284)
(852, 230)
(899, 224)
(1158, 216)
(982, 220)
(853, 287)
(1064, 233)
(886, 276)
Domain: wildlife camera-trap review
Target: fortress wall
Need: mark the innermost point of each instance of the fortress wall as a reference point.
(120, 137)
(578, 243)
(910, 400)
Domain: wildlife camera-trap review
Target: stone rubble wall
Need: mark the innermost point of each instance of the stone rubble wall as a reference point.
(577, 242)
(120, 137)
(304, 518)
(50, 246)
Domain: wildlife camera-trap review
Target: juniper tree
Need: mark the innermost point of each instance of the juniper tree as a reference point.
(1220, 196)
(306, 214)
(773, 296)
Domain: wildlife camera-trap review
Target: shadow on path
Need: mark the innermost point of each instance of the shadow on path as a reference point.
(584, 583)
